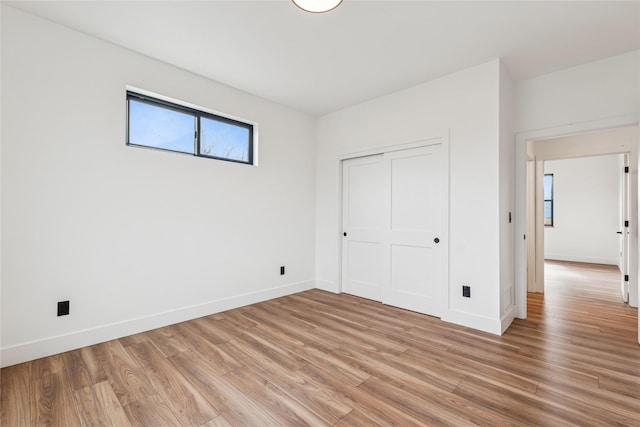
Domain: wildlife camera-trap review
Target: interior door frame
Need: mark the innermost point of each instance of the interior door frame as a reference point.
(521, 158)
(538, 259)
(625, 234)
(440, 137)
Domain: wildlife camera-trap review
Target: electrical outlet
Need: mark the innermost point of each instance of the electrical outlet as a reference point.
(282, 270)
(63, 308)
(466, 291)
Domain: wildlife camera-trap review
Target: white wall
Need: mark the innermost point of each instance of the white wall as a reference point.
(586, 210)
(594, 91)
(134, 238)
(466, 103)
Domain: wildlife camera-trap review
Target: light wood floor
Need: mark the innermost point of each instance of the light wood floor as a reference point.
(317, 359)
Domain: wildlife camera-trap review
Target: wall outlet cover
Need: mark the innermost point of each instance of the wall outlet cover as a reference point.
(63, 308)
(466, 291)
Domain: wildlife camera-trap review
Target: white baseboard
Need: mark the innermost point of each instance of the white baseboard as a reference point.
(507, 319)
(58, 344)
(481, 323)
(574, 258)
(328, 286)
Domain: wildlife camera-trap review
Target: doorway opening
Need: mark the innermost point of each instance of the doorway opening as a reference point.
(617, 136)
(585, 206)
(586, 297)
(564, 280)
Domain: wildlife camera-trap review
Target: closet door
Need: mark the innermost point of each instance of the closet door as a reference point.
(415, 248)
(363, 226)
(394, 235)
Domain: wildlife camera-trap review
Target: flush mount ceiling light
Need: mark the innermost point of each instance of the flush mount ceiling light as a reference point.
(317, 6)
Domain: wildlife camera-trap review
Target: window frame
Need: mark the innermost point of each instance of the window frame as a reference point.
(197, 114)
(551, 200)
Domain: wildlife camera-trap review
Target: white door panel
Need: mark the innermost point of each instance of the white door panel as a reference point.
(416, 262)
(364, 276)
(394, 211)
(362, 250)
(365, 197)
(412, 270)
(411, 192)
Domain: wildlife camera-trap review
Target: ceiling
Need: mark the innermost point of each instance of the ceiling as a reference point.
(320, 63)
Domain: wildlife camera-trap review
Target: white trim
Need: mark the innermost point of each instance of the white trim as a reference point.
(326, 285)
(473, 321)
(53, 345)
(507, 319)
(435, 138)
(520, 189)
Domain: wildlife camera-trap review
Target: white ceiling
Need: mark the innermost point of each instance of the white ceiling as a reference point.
(319, 63)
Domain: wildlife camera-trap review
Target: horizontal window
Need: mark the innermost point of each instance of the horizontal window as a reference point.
(163, 125)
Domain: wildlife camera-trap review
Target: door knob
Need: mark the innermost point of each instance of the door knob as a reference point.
(437, 240)
(344, 234)
(619, 232)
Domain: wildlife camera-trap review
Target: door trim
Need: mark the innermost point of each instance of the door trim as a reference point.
(626, 210)
(436, 138)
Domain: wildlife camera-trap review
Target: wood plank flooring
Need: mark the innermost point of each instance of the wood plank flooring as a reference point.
(321, 359)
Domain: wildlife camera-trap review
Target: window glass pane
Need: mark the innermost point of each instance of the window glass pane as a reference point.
(157, 127)
(548, 211)
(225, 140)
(548, 187)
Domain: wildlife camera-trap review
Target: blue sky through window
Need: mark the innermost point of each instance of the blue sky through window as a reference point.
(548, 187)
(548, 199)
(547, 210)
(221, 139)
(159, 127)
(163, 125)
